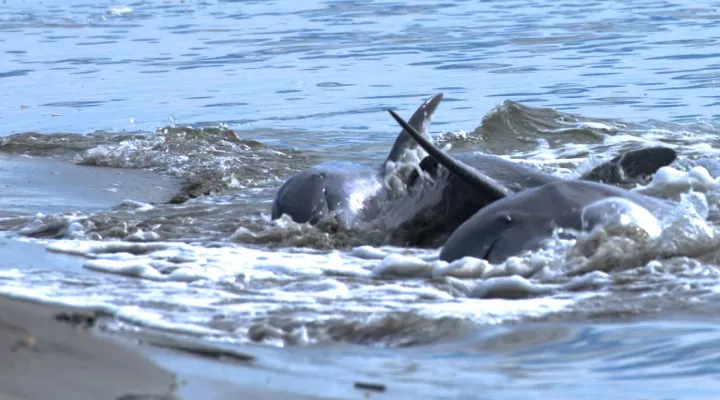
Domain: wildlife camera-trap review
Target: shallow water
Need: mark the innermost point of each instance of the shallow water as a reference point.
(333, 66)
(234, 97)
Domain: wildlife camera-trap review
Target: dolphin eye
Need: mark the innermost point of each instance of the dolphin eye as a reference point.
(506, 218)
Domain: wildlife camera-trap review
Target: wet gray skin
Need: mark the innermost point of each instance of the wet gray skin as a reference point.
(434, 210)
(339, 186)
(426, 219)
(521, 221)
(524, 220)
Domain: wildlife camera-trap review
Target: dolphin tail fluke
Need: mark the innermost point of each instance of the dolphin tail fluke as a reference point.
(632, 167)
(476, 179)
(420, 120)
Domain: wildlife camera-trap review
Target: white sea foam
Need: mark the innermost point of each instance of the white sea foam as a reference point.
(119, 10)
(466, 267)
(401, 265)
(222, 290)
(244, 285)
(617, 211)
(11, 273)
(669, 180)
(169, 261)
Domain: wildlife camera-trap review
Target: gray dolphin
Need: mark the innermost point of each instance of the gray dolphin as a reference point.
(521, 221)
(435, 209)
(348, 188)
(524, 220)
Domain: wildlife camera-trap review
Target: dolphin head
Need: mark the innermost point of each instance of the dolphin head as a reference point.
(347, 188)
(496, 231)
(302, 197)
(496, 235)
(333, 186)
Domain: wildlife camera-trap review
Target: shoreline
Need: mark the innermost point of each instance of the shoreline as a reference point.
(57, 352)
(45, 358)
(62, 352)
(43, 184)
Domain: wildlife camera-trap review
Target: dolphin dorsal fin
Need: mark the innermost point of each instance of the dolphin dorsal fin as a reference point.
(476, 179)
(420, 120)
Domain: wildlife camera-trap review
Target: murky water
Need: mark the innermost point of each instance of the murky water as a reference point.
(232, 98)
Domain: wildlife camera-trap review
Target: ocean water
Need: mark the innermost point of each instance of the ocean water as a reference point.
(232, 98)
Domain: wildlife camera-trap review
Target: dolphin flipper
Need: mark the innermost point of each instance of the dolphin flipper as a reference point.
(632, 167)
(482, 183)
(420, 120)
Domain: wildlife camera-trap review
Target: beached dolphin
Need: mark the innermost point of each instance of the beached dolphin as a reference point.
(348, 188)
(434, 209)
(366, 193)
(524, 220)
(515, 222)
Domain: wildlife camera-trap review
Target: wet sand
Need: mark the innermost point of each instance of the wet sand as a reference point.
(61, 352)
(57, 352)
(51, 352)
(25, 255)
(38, 184)
(47, 359)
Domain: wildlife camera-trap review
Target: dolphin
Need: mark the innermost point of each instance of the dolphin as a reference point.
(516, 222)
(436, 207)
(524, 220)
(349, 189)
(375, 194)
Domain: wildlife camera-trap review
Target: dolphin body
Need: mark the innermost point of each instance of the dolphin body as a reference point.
(433, 210)
(436, 207)
(524, 220)
(348, 188)
(369, 194)
(519, 221)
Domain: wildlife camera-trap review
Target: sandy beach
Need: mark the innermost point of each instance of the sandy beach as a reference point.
(44, 358)
(56, 352)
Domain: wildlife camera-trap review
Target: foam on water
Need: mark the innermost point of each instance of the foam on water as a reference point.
(132, 314)
(251, 285)
(171, 148)
(179, 261)
(669, 181)
(233, 292)
(617, 211)
(119, 10)
(258, 280)
(245, 287)
(229, 292)
(294, 295)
